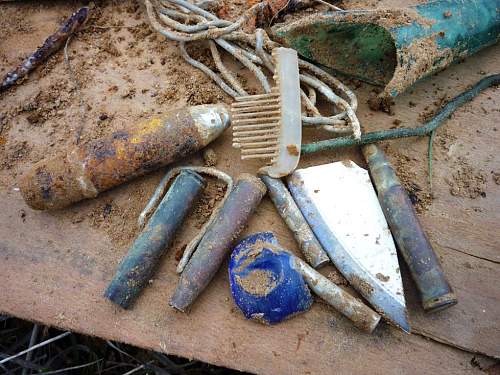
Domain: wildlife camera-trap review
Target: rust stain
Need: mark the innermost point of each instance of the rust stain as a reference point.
(104, 163)
(293, 150)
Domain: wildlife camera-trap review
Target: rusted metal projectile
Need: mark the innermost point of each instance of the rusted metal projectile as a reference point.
(101, 164)
(411, 239)
(288, 210)
(136, 269)
(216, 244)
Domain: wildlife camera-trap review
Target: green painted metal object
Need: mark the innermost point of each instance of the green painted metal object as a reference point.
(395, 48)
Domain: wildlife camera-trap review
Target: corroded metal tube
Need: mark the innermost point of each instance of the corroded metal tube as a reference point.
(52, 44)
(218, 240)
(104, 163)
(137, 267)
(360, 314)
(288, 210)
(412, 241)
(394, 47)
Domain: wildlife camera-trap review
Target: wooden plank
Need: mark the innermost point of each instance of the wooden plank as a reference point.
(462, 218)
(55, 273)
(473, 324)
(54, 266)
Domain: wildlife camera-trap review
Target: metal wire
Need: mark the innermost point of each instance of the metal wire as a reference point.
(174, 19)
(160, 192)
(421, 131)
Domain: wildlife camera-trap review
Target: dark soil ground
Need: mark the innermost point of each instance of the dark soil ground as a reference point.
(80, 354)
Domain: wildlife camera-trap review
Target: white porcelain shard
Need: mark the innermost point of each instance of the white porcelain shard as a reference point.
(340, 204)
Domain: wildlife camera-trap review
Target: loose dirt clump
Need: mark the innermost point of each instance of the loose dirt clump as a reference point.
(496, 177)
(47, 103)
(211, 195)
(258, 282)
(420, 198)
(384, 104)
(12, 154)
(115, 221)
(209, 157)
(361, 285)
(466, 182)
(337, 278)
(117, 217)
(203, 91)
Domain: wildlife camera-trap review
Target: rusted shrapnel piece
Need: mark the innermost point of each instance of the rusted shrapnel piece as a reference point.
(104, 163)
(360, 314)
(269, 11)
(52, 44)
(218, 240)
(412, 241)
(136, 269)
(395, 47)
(288, 210)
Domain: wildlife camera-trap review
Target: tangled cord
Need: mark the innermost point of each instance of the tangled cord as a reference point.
(252, 50)
(185, 22)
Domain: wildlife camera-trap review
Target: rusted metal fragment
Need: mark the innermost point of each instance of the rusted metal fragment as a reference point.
(52, 44)
(216, 244)
(268, 12)
(395, 47)
(288, 210)
(104, 163)
(136, 269)
(435, 291)
(352, 308)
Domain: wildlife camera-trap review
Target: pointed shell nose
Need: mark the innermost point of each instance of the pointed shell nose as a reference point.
(210, 120)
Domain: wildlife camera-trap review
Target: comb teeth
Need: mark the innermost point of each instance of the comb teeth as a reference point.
(268, 126)
(256, 125)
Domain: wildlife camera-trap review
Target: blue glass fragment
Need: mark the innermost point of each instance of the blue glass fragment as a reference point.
(263, 283)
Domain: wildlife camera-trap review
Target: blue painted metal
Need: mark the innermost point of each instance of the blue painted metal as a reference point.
(137, 267)
(264, 284)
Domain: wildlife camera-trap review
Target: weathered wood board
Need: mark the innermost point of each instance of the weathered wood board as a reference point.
(54, 266)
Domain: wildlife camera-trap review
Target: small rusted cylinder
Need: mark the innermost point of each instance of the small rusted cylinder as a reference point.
(101, 164)
(352, 308)
(218, 240)
(137, 267)
(288, 210)
(425, 269)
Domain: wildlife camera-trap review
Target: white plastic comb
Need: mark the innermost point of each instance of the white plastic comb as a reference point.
(269, 126)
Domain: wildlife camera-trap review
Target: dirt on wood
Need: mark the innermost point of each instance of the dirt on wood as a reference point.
(45, 108)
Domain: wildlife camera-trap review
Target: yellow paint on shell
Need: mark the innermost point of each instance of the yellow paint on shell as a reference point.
(147, 127)
(121, 152)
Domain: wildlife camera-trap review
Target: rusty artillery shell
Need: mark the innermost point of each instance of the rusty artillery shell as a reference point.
(137, 267)
(288, 210)
(352, 308)
(104, 163)
(412, 241)
(218, 240)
